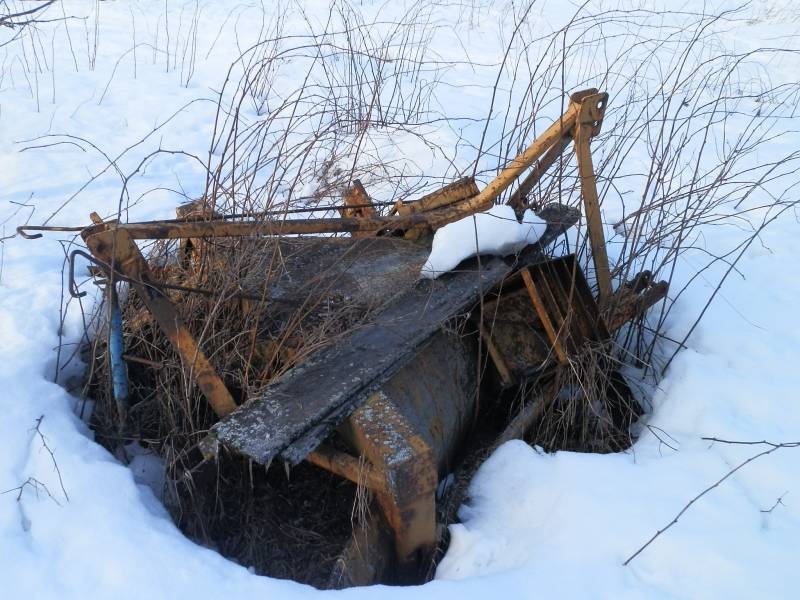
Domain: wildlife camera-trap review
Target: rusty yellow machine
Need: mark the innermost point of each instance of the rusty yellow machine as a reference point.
(400, 392)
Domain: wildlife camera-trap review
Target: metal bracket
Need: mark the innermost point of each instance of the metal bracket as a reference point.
(408, 502)
(591, 110)
(115, 247)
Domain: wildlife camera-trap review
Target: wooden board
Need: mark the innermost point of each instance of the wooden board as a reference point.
(295, 413)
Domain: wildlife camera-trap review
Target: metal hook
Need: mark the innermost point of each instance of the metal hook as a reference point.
(73, 287)
(22, 230)
(28, 236)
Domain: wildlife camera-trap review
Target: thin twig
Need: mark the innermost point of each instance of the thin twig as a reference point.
(772, 449)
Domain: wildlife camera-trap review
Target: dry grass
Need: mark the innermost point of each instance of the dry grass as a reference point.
(586, 405)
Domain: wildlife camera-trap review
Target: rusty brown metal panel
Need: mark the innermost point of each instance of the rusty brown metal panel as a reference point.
(433, 218)
(563, 287)
(436, 393)
(357, 202)
(568, 300)
(409, 432)
(569, 275)
(191, 250)
(631, 301)
(516, 334)
(384, 435)
(157, 230)
(559, 310)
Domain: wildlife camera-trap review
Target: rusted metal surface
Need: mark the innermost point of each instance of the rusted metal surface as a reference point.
(554, 315)
(410, 432)
(567, 302)
(519, 200)
(157, 230)
(25, 230)
(545, 312)
(191, 249)
(461, 189)
(634, 298)
(442, 207)
(357, 204)
(457, 191)
(349, 467)
(381, 431)
(436, 393)
(515, 338)
(116, 248)
(573, 291)
(551, 326)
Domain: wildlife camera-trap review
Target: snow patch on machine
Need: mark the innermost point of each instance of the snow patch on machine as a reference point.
(496, 231)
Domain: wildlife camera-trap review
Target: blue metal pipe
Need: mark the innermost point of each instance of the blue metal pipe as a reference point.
(116, 346)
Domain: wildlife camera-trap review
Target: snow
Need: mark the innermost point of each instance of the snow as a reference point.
(536, 525)
(586, 514)
(493, 232)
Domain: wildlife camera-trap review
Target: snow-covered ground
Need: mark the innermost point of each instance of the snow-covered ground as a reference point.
(81, 91)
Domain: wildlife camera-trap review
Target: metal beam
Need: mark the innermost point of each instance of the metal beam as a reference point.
(518, 200)
(349, 467)
(590, 118)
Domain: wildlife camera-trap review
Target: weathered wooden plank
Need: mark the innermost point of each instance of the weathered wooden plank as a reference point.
(294, 414)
